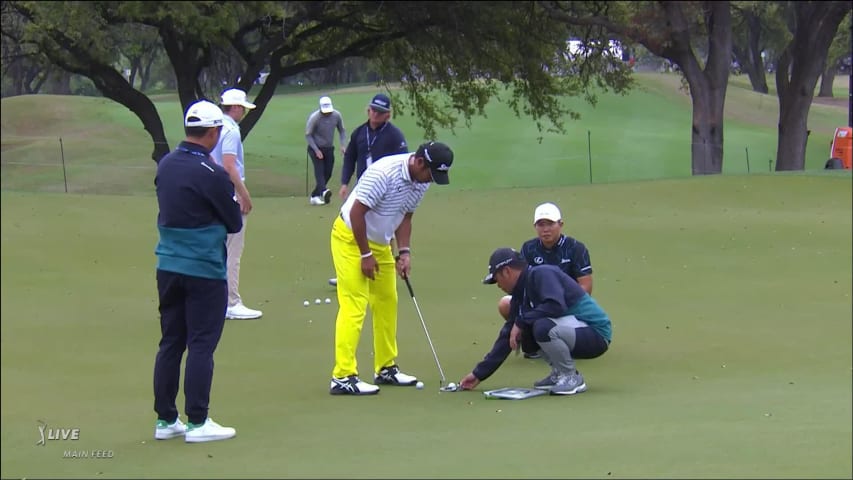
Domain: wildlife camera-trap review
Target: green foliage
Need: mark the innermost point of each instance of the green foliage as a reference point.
(464, 52)
(841, 44)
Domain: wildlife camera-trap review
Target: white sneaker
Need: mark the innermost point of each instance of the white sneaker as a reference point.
(316, 201)
(165, 431)
(209, 431)
(327, 196)
(242, 312)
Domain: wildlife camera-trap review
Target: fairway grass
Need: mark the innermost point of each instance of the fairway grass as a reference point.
(731, 357)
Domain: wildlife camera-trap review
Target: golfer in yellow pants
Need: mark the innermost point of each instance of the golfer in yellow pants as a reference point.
(357, 293)
(379, 208)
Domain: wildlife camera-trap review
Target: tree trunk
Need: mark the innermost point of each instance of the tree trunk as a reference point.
(800, 65)
(794, 103)
(827, 79)
(187, 59)
(707, 86)
(145, 74)
(749, 56)
(707, 130)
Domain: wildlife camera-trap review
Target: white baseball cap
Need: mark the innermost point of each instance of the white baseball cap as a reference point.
(547, 211)
(203, 114)
(326, 105)
(235, 96)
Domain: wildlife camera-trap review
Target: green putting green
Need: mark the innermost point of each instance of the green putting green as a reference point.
(730, 298)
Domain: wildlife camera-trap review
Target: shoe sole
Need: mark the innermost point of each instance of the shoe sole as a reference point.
(355, 394)
(208, 439)
(579, 389)
(327, 197)
(168, 437)
(240, 317)
(379, 381)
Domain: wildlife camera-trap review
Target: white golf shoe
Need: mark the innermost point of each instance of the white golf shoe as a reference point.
(209, 431)
(351, 385)
(393, 376)
(165, 431)
(242, 312)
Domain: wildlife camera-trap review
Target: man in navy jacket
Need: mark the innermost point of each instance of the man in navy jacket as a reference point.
(197, 211)
(550, 307)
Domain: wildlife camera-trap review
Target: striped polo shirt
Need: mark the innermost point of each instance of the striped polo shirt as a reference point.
(389, 192)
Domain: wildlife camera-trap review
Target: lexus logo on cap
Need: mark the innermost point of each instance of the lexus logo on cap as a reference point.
(442, 168)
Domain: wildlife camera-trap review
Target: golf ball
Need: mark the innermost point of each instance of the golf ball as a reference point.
(451, 385)
(328, 300)
(318, 301)
(419, 385)
(306, 303)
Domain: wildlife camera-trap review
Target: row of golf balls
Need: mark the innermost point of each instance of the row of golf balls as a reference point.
(317, 301)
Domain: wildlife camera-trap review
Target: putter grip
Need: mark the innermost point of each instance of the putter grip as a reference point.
(409, 286)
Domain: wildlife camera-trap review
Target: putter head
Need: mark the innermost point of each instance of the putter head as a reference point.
(451, 387)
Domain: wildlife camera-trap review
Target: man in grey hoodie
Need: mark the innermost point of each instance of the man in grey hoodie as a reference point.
(320, 135)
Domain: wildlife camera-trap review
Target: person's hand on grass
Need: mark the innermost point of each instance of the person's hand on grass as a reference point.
(515, 337)
(469, 382)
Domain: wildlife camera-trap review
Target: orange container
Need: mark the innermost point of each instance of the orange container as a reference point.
(842, 146)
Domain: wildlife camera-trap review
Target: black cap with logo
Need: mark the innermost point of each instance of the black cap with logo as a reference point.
(439, 157)
(501, 258)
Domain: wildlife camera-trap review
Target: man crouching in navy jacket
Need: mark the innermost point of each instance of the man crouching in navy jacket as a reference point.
(550, 306)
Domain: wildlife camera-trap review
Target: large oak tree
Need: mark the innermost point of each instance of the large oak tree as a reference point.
(451, 57)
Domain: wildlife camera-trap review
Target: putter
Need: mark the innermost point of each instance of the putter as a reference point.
(442, 387)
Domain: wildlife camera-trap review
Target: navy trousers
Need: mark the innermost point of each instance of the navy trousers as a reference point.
(322, 169)
(192, 316)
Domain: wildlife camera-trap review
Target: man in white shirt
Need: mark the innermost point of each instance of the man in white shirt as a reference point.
(229, 153)
(379, 208)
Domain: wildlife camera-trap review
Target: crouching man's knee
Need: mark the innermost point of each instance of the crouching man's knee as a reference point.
(503, 306)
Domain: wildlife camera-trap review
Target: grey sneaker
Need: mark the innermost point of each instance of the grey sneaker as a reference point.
(569, 384)
(546, 383)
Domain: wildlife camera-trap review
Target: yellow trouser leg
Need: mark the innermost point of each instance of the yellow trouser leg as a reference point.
(355, 292)
(383, 304)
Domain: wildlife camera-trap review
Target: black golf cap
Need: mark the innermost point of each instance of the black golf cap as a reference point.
(499, 259)
(439, 157)
(381, 103)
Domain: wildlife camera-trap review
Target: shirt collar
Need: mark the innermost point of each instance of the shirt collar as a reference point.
(193, 147)
(405, 169)
(230, 121)
(559, 243)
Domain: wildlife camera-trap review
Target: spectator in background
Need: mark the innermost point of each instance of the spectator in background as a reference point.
(229, 154)
(320, 135)
(370, 141)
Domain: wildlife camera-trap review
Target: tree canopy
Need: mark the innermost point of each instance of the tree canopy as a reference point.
(450, 58)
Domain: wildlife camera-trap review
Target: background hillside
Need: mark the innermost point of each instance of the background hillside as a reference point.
(644, 135)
